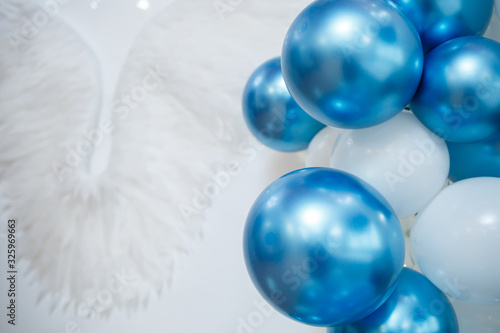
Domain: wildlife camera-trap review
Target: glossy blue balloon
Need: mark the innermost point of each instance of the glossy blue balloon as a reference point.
(439, 21)
(352, 63)
(415, 306)
(474, 159)
(272, 115)
(459, 96)
(323, 247)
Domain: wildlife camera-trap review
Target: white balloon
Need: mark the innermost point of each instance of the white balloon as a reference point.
(320, 147)
(474, 318)
(401, 158)
(456, 240)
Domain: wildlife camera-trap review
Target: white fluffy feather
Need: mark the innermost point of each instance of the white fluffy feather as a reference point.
(79, 231)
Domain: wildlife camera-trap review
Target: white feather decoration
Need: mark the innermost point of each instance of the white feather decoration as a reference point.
(174, 126)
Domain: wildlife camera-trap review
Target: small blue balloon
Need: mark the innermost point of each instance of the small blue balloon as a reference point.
(415, 306)
(352, 63)
(323, 247)
(439, 21)
(459, 95)
(474, 159)
(272, 115)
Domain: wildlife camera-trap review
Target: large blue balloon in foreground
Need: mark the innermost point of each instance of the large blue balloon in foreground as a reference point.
(459, 96)
(474, 159)
(272, 115)
(415, 306)
(323, 247)
(352, 63)
(439, 21)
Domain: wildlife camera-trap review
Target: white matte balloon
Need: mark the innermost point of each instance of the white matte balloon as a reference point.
(320, 147)
(474, 318)
(456, 240)
(401, 158)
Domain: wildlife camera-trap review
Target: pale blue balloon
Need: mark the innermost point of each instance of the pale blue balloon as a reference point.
(272, 115)
(415, 306)
(323, 247)
(352, 63)
(439, 21)
(459, 95)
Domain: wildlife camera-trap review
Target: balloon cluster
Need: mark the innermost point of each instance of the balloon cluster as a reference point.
(394, 101)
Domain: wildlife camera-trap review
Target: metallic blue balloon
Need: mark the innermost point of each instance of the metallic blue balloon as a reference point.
(415, 306)
(439, 21)
(474, 159)
(272, 115)
(323, 247)
(459, 95)
(352, 63)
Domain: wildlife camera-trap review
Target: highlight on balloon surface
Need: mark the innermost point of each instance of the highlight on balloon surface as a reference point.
(320, 148)
(352, 63)
(459, 95)
(440, 21)
(470, 160)
(272, 115)
(323, 247)
(455, 240)
(415, 306)
(401, 158)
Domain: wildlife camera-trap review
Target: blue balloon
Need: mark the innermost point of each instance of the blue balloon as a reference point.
(474, 159)
(323, 247)
(352, 63)
(439, 21)
(459, 95)
(415, 306)
(272, 115)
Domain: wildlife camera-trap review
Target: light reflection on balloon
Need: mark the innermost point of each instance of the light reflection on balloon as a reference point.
(327, 250)
(352, 63)
(415, 306)
(439, 21)
(459, 96)
(272, 115)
